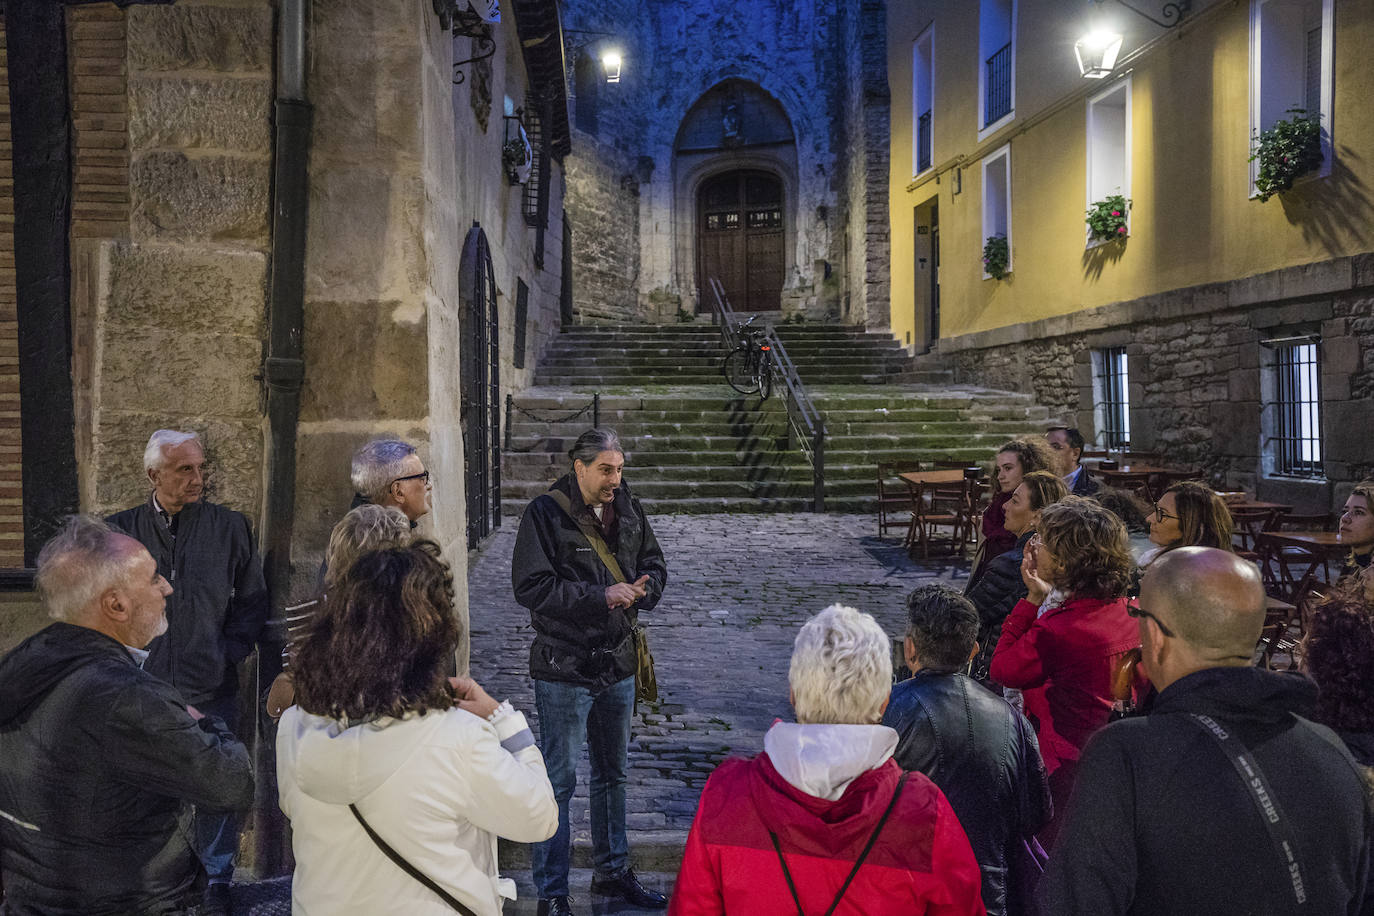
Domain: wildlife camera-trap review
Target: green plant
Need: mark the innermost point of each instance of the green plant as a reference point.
(1286, 151)
(515, 158)
(996, 256)
(1107, 218)
(684, 316)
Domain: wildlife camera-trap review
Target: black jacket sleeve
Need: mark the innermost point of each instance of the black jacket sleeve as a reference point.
(996, 593)
(650, 562)
(539, 583)
(1035, 806)
(249, 607)
(153, 742)
(1093, 869)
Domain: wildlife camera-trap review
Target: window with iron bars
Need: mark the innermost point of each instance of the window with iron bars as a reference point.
(534, 129)
(1295, 446)
(1113, 399)
(997, 84)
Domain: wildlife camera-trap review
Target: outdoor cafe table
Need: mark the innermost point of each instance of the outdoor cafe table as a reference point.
(1319, 546)
(920, 480)
(1140, 474)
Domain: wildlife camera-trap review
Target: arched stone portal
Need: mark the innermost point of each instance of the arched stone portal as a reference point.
(735, 196)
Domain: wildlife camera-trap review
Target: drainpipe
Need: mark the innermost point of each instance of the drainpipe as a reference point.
(283, 371)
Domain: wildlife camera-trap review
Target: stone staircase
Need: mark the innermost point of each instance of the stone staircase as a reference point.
(695, 446)
(691, 354)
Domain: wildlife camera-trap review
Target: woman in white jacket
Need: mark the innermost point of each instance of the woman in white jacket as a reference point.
(435, 767)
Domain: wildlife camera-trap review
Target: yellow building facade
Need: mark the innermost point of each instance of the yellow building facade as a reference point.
(995, 132)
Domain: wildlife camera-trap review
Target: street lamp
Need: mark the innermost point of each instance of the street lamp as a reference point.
(610, 62)
(1097, 51)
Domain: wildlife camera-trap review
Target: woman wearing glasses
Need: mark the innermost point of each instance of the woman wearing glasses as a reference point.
(1189, 514)
(1063, 659)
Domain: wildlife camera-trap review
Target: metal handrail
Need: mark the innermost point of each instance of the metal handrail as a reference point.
(805, 427)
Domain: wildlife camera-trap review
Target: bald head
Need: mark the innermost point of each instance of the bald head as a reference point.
(1212, 600)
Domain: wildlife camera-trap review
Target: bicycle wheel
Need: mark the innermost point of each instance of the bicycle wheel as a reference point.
(738, 371)
(765, 375)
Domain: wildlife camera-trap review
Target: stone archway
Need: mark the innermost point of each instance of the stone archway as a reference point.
(736, 129)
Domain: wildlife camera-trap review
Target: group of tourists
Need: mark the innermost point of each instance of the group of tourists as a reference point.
(992, 780)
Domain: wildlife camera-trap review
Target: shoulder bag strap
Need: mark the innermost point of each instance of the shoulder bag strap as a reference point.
(873, 838)
(409, 869)
(1279, 827)
(591, 534)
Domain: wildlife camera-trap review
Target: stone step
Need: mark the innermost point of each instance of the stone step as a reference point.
(524, 434)
(512, 508)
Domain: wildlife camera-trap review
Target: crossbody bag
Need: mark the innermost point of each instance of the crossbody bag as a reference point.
(873, 838)
(409, 869)
(646, 681)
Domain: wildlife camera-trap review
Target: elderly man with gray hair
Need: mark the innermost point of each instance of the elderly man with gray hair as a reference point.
(98, 758)
(216, 611)
(825, 815)
(389, 472)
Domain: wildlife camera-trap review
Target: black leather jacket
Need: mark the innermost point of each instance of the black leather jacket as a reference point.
(983, 755)
(559, 577)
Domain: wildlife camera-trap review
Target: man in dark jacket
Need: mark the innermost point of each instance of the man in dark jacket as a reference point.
(217, 609)
(1225, 798)
(98, 758)
(1067, 445)
(583, 657)
(972, 744)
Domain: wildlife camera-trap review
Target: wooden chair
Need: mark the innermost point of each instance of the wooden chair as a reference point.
(1277, 637)
(937, 506)
(1246, 527)
(894, 494)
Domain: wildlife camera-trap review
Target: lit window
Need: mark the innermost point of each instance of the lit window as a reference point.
(1109, 145)
(1295, 443)
(1291, 66)
(997, 199)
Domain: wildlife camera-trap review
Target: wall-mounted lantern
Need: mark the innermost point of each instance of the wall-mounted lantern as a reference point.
(611, 57)
(1097, 52)
(610, 62)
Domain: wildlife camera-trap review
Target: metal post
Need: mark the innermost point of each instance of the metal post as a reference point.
(596, 410)
(818, 470)
(510, 408)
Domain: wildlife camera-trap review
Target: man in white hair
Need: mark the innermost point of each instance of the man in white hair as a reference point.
(215, 614)
(825, 814)
(98, 758)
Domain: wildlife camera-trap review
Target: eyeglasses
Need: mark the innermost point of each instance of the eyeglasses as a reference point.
(1140, 612)
(1163, 516)
(423, 475)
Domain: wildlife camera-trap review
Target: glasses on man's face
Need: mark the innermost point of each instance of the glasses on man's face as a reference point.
(1140, 612)
(1163, 516)
(423, 475)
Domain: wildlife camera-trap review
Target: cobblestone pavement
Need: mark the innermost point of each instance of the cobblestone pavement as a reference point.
(739, 586)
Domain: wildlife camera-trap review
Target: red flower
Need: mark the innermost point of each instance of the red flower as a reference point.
(1116, 213)
(1121, 230)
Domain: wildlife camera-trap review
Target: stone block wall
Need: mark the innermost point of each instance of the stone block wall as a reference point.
(604, 212)
(1200, 379)
(170, 233)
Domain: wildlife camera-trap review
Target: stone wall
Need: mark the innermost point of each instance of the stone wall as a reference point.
(169, 287)
(1199, 377)
(604, 213)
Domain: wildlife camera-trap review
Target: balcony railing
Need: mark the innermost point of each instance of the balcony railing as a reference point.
(997, 103)
(923, 142)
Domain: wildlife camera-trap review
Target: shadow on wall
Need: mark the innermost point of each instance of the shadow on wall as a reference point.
(1332, 210)
(1095, 259)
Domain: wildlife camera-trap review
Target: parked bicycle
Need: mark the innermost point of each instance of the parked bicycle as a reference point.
(749, 367)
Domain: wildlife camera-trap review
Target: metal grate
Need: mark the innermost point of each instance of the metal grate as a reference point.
(997, 103)
(1297, 444)
(522, 314)
(534, 129)
(1313, 72)
(1113, 385)
(923, 142)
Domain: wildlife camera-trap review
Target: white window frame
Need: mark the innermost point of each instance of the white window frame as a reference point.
(988, 130)
(1104, 375)
(926, 38)
(1257, 84)
(999, 159)
(1119, 86)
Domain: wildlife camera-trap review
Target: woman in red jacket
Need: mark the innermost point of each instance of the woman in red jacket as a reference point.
(1063, 656)
(824, 820)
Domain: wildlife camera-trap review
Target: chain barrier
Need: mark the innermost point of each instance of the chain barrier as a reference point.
(542, 416)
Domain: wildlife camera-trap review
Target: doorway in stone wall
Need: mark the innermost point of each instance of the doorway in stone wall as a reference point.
(479, 367)
(740, 238)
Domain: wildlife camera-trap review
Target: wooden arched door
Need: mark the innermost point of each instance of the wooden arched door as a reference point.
(479, 368)
(740, 239)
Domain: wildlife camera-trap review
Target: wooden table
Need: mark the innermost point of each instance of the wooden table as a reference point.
(1315, 548)
(944, 480)
(1256, 504)
(924, 478)
(1140, 474)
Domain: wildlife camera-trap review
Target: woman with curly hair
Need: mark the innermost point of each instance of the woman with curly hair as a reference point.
(1014, 461)
(383, 748)
(1339, 655)
(1063, 660)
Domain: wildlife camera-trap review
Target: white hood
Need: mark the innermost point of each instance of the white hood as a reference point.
(822, 760)
(340, 765)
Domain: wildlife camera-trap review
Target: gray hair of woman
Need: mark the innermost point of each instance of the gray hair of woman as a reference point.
(841, 670)
(377, 465)
(361, 531)
(592, 443)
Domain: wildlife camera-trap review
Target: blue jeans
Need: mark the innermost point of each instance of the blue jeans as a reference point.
(216, 836)
(569, 716)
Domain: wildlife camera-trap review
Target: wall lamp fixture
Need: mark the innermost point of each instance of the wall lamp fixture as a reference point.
(469, 19)
(610, 56)
(1098, 50)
